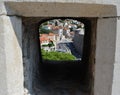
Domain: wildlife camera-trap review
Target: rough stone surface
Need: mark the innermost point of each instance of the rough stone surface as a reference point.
(3, 72)
(116, 79)
(54, 79)
(56, 9)
(105, 54)
(9, 45)
(12, 57)
(78, 43)
(2, 9)
(61, 79)
(31, 53)
(6, 10)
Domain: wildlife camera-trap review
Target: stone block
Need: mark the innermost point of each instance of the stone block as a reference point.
(11, 65)
(116, 78)
(6, 10)
(61, 9)
(3, 79)
(2, 9)
(11, 71)
(105, 56)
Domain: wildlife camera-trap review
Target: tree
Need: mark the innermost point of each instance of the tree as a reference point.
(44, 31)
(50, 44)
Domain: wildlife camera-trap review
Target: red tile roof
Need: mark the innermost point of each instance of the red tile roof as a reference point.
(51, 34)
(43, 39)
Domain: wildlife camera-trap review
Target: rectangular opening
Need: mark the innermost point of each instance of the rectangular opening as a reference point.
(60, 77)
(61, 39)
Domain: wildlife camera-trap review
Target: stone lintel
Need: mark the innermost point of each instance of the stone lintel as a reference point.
(54, 9)
(5, 10)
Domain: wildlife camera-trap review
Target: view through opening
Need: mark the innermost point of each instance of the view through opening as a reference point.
(61, 40)
(56, 77)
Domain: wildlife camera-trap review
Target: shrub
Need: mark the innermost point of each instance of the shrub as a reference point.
(44, 31)
(59, 56)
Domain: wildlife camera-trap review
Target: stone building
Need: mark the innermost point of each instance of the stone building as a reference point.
(78, 40)
(19, 46)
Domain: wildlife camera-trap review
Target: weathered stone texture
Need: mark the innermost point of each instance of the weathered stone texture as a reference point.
(3, 72)
(31, 53)
(113, 2)
(11, 65)
(105, 54)
(2, 9)
(116, 79)
(78, 43)
(12, 56)
(81, 1)
(56, 9)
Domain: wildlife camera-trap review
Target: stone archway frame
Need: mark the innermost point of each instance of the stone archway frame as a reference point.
(11, 69)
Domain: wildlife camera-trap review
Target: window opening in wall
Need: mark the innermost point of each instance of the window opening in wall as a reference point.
(61, 39)
(56, 77)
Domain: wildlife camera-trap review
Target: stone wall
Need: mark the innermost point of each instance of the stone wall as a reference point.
(11, 77)
(78, 43)
(31, 52)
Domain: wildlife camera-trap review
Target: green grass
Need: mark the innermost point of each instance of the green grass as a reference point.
(58, 56)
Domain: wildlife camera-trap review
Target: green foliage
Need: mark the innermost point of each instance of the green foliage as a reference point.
(45, 45)
(59, 56)
(50, 44)
(45, 23)
(44, 31)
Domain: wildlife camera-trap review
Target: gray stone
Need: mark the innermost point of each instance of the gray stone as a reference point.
(12, 57)
(3, 72)
(5, 9)
(116, 77)
(105, 56)
(2, 9)
(11, 65)
(56, 9)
